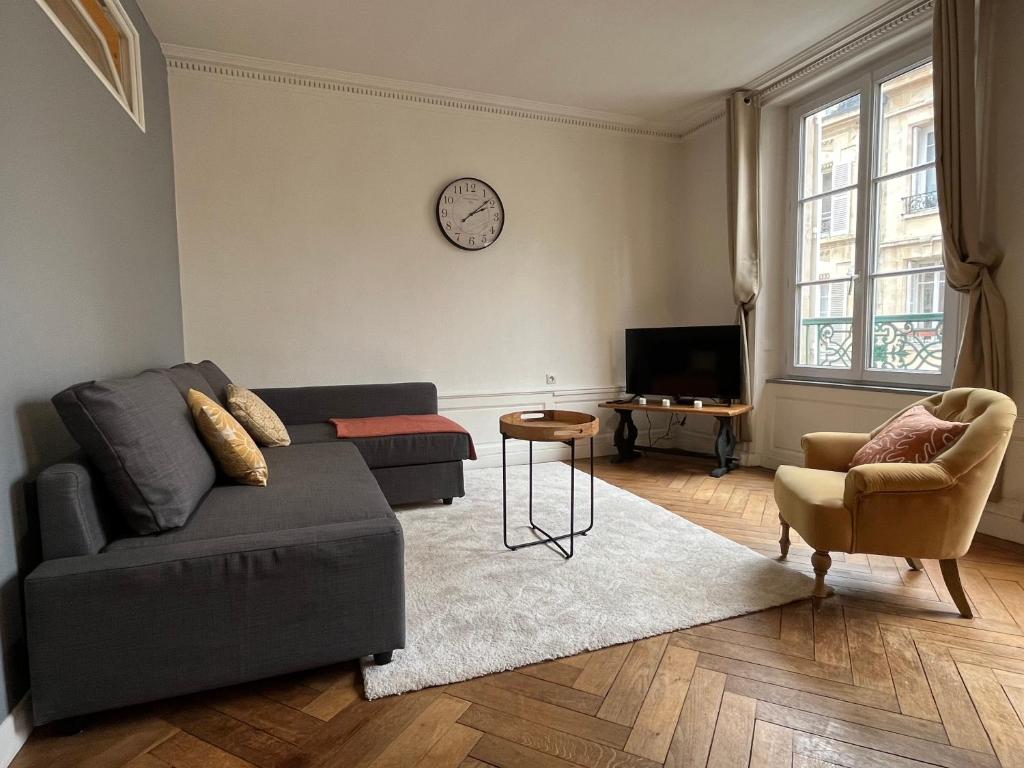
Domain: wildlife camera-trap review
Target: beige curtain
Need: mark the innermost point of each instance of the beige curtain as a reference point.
(970, 264)
(743, 120)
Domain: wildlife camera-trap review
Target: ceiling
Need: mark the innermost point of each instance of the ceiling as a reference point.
(656, 60)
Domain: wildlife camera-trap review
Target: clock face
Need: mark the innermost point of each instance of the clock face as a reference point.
(470, 214)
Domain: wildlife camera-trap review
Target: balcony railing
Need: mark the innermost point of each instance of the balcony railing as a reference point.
(898, 342)
(920, 203)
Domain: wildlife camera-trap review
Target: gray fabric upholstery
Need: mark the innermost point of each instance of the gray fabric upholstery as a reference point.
(186, 376)
(74, 510)
(310, 485)
(126, 627)
(394, 451)
(139, 433)
(309, 405)
(217, 379)
(421, 482)
(321, 432)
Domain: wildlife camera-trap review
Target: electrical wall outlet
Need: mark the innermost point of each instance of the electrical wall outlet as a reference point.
(549, 378)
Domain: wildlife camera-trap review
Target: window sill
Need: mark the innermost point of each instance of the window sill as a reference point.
(862, 386)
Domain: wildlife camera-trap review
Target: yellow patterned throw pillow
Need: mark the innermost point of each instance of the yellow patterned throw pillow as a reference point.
(257, 417)
(231, 446)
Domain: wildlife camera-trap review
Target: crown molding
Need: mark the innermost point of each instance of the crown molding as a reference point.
(894, 17)
(205, 62)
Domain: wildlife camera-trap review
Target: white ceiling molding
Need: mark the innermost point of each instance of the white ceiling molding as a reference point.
(195, 60)
(895, 17)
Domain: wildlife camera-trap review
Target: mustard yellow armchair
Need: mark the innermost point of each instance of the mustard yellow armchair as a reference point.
(913, 511)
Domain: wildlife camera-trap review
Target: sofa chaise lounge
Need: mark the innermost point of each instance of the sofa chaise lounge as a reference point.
(257, 582)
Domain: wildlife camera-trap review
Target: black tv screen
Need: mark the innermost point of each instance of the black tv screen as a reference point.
(692, 361)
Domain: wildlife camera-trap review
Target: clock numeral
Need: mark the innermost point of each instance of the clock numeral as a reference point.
(472, 187)
(448, 224)
(492, 230)
(458, 235)
(444, 213)
(449, 199)
(472, 241)
(484, 238)
(495, 217)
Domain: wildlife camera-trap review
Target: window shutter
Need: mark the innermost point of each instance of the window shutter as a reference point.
(841, 174)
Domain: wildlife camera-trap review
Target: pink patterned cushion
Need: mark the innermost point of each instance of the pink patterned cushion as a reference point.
(915, 437)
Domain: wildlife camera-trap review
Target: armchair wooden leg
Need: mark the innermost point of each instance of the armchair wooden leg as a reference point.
(915, 564)
(784, 539)
(951, 575)
(821, 561)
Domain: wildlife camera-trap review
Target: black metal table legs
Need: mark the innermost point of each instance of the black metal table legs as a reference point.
(725, 444)
(625, 438)
(725, 447)
(547, 538)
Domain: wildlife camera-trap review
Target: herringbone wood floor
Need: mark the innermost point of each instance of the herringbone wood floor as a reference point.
(886, 674)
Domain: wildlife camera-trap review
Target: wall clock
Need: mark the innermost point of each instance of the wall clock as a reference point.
(470, 214)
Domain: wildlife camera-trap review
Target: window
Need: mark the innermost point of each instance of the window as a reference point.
(105, 38)
(870, 296)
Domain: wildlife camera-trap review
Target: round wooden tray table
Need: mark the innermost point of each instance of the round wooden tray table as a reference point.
(549, 427)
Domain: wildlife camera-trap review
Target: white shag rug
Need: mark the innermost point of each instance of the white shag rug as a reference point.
(474, 607)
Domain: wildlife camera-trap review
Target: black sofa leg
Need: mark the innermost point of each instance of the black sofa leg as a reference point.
(447, 501)
(69, 726)
(380, 659)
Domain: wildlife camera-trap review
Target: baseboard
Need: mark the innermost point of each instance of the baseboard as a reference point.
(15, 730)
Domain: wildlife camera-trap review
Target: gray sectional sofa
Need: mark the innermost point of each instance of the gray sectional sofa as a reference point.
(251, 582)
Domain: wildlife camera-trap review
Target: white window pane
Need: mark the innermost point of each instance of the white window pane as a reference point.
(907, 127)
(908, 232)
(907, 322)
(828, 237)
(825, 320)
(830, 145)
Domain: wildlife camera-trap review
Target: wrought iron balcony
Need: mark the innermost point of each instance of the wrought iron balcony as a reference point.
(921, 203)
(910, 342)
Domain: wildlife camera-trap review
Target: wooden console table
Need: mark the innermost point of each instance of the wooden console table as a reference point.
(725, 443)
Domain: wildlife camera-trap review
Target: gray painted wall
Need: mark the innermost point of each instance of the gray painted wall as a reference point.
(89, 284)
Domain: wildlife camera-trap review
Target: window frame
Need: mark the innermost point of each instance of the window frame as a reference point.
(867, 83)
(136, 107)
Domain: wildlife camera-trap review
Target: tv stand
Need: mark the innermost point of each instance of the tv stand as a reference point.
(725, 444)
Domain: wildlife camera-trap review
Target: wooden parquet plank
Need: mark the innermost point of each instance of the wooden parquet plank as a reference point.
(997, 714)
(549, 741)
(626, 696)
(452, 747)
(552, 693)
(183, 750)
(772, 746)
(867, 653)
(695, 729)
(912, 689)
(655, 724)
(958, 714)
(734, 732)
(240, 739)
(602, 669)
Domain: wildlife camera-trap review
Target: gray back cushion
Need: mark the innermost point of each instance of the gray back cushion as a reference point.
(217, 379)
(139, 434)
(186, 376)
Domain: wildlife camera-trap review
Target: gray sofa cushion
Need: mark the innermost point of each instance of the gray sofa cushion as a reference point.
(396, 451)
(312, 405)
(217, 379)
(139, 434)
(186, 376)
(310, 485)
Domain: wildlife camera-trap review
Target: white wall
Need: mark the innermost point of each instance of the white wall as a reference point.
(310, 253)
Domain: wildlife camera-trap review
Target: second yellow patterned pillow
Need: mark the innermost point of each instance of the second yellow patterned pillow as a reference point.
(231, 446)
(257, 417)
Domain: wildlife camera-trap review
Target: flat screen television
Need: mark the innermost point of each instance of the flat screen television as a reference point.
(687, 362)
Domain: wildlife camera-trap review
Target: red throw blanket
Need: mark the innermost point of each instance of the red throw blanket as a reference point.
(389, 426)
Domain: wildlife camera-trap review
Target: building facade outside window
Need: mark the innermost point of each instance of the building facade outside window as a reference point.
(870, 302)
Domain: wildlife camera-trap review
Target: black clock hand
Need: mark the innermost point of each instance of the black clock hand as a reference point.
(474, 213)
